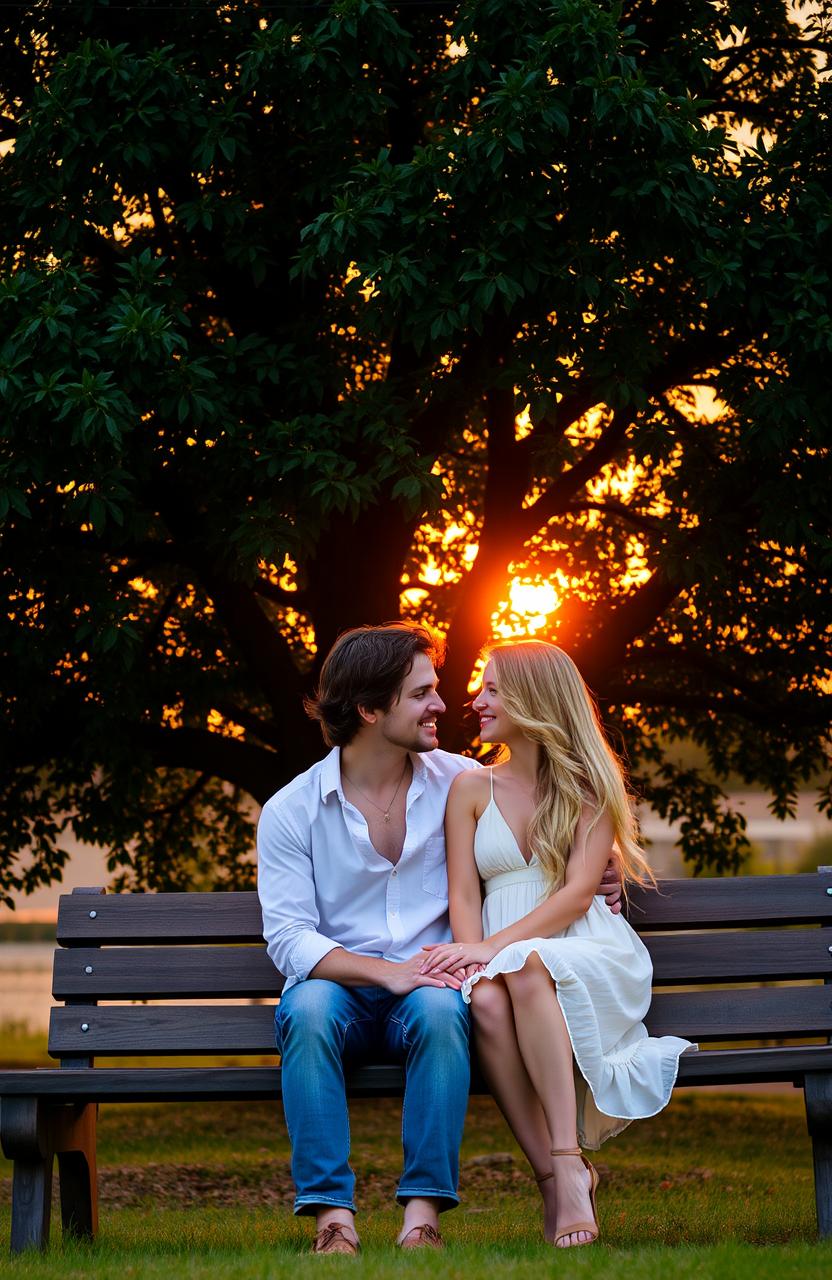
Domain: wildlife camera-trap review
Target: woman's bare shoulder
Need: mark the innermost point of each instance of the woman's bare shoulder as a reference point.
(470, 785)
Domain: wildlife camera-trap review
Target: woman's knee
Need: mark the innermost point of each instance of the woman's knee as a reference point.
(533, 978)
(490, 1005)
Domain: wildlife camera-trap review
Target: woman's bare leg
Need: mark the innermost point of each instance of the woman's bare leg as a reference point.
(546, 1051)
(508, 1080)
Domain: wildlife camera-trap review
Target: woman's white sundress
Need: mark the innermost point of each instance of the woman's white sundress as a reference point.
(603, 974)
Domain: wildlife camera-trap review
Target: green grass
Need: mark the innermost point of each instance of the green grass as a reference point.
(715, 1186)
(259, 1252)
(22, 1047)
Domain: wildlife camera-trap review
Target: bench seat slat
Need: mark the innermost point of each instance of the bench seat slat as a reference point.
(171, 973)
(181, 973)
(737, 1014)
(742, 1013)
(114, 1084)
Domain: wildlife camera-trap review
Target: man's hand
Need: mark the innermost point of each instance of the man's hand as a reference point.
(610, 885)
(401, 979)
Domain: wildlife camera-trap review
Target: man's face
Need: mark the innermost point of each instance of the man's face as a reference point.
(411, 719)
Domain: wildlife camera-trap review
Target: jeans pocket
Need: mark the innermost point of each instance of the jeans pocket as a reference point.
(435, 869)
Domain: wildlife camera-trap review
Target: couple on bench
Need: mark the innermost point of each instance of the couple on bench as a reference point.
(371, 860)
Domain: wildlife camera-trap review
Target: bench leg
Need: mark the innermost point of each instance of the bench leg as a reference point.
(817, 1086)
(23, 1130)
(31, 1204)
(72, 1130)
(33, 1133)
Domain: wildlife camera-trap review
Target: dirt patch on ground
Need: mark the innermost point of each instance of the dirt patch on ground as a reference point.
(269, 1183)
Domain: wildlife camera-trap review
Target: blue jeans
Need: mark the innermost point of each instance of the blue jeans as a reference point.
(321, 1027)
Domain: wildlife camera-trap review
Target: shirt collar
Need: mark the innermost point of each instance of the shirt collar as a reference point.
(420, 773)
(331, 773)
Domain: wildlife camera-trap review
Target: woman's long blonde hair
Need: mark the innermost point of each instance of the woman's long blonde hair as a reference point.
(544, 694)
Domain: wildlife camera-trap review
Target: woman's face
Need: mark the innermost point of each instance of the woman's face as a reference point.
(495, 725)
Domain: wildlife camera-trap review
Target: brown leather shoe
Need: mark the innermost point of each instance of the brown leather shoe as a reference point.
(424, 1237)
(333, 1238)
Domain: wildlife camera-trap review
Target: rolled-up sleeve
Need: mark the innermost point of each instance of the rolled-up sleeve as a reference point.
(286, 887)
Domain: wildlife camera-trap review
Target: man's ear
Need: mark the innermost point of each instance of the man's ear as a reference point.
(368, 716)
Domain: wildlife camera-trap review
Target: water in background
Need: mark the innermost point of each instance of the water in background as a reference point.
(26, 987)
(26, 984)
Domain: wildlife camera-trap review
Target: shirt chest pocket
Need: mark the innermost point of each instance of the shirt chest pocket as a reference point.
(435, 870)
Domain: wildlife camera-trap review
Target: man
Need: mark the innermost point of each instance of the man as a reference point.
(352, 882)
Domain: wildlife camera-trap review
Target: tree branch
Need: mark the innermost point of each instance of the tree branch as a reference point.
(602, 639)
(554, 501)
(182, 801)
(267, 731)
(154, 633)
(733, 57)
(259, 643)
(253, 768)
(261, 646)
(699, 659)
(279, 595)
(686, 428)
(452, 391)
(792, 713)
(163, 231)
(620, 509)
(567, 412)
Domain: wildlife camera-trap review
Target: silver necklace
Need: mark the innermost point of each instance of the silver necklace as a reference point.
(384, 812)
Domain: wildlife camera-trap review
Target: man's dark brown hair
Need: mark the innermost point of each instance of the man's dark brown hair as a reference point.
(366, 667)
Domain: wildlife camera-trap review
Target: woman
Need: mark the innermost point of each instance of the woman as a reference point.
(558, 985)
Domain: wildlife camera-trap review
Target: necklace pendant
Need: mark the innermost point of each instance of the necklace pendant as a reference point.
(387, 816)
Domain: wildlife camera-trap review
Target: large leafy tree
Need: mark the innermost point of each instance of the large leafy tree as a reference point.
(304, 305)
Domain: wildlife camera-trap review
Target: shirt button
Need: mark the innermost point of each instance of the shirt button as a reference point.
(393, 872)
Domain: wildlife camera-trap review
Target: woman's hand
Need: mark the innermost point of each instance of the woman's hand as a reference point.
(465, 971)
(448, 956)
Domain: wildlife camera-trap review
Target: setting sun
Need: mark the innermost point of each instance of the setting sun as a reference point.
(535, 600)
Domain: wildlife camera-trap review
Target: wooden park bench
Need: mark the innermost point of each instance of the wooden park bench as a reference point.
(208, 947)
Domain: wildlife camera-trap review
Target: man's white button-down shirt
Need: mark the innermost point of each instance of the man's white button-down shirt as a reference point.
(322, 884)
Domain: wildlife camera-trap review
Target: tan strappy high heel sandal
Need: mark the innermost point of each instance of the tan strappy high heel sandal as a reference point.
(590, 1227)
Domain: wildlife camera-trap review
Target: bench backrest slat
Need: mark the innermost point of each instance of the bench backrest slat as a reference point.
(724, 903)
(183, 918)
(174, 918)
(163, 973)
(181, 973)
(175, 946)
(749, 955)
(249, 1029)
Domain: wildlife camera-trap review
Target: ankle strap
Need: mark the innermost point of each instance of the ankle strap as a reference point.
(567, 1151)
